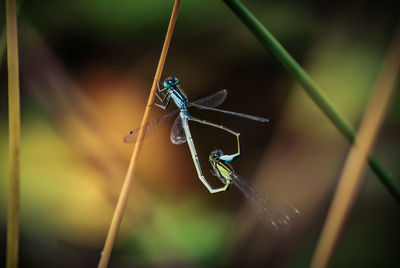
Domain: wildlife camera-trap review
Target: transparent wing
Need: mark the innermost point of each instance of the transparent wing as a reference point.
(275, 215)
(213, 100)
(177, 134)
(247, 116)
(151, 127)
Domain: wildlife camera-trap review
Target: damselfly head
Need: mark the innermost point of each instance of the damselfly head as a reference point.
(170, 81)
(215, 155)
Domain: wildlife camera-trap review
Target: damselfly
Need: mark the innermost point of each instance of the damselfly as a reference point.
(180, 132)
(277, 216)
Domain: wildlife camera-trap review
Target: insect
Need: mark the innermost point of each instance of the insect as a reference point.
(180, 132)
(275, 215)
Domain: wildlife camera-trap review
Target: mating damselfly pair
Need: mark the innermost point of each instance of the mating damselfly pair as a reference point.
(278, 219)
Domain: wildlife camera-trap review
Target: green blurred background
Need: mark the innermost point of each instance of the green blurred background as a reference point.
(86, 68)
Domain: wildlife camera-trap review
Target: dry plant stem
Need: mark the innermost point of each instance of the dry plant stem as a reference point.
(14, 132)
(308, 84)
(354, 167)
(115, 223)
(3, 35)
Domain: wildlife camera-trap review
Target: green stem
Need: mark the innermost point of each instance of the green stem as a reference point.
(313, 90)
(14, 134)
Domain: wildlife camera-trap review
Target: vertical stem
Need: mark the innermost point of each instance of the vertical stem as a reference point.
(308, 84)
(3, 35)
(116, 220)
(14, 134)
(351, 178)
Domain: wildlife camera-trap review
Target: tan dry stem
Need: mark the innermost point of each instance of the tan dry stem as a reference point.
(351, 177)
(15, 133)
(123, 197)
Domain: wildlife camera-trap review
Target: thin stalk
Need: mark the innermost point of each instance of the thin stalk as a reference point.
(3, 36)
(14, 134)
(312, 89)
(351, 177)
(116, 220)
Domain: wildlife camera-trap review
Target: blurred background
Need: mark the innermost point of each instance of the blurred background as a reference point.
(86, 68)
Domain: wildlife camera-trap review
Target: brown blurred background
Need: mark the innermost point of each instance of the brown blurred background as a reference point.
(86, 70)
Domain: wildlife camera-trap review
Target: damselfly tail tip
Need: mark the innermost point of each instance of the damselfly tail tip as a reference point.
(129, 138)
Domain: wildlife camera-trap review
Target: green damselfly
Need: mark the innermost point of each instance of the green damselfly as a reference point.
(277, 216)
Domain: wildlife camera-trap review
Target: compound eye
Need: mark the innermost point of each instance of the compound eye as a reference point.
(213, 156)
